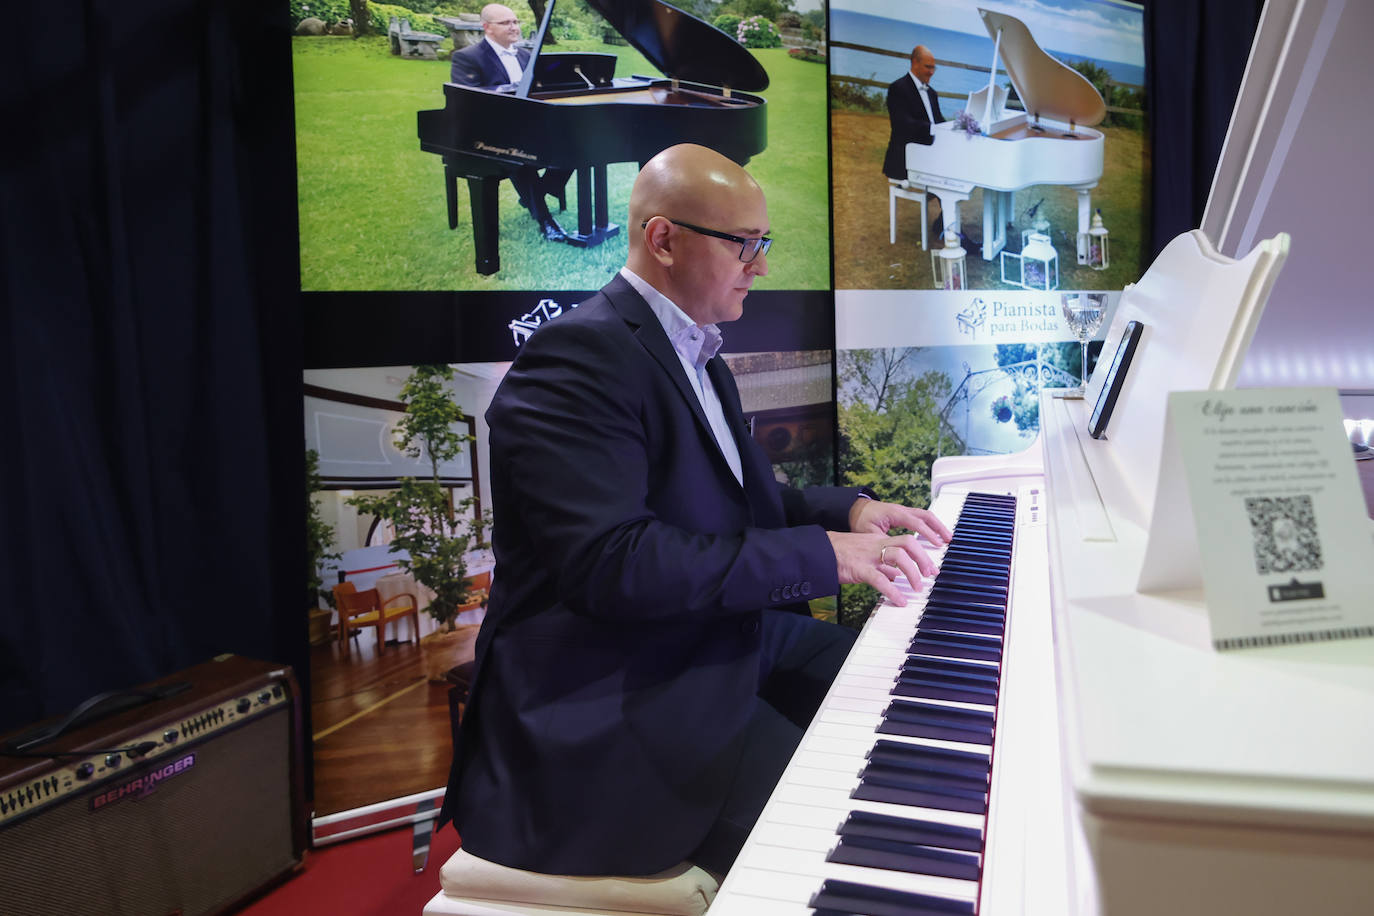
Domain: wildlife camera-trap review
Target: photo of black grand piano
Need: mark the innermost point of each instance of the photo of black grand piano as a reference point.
(571, 112)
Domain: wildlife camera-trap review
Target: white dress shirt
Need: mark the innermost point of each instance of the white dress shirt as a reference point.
(509, 59)
(921, 90)
(694, 345)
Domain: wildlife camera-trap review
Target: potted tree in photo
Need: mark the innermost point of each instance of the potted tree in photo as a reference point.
(431, 536)
(319, 538)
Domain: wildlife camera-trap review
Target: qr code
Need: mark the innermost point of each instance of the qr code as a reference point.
(1285, 532)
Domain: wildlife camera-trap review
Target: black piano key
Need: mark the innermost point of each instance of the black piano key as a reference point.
(973, 567)
(952, 679)
(965, 580)
(924, 775)
(955, 624)
(968, 672)
(929, 689)
(872, 852)
(972, 763)
(989, 546)
(945, 601)
(935, 643)
(950, 609)
(955, 715)
(912, 830)
(969, 591)
(966, 600)
(917, 720)
(880, 787)
(847, 898)
(949, 615)
(1002, 530)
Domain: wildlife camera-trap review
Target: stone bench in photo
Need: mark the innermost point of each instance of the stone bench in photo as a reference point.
(415, 45)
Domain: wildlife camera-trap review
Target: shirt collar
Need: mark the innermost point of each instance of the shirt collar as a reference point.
(695, 343)
(498, 49)
(919, 84)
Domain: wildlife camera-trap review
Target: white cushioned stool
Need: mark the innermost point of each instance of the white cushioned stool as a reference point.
(907, 191)
(477, 887)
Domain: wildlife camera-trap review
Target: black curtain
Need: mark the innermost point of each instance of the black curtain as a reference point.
(153, 475)
(1195, 56)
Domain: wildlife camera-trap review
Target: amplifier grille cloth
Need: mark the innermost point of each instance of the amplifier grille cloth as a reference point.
(202, 839)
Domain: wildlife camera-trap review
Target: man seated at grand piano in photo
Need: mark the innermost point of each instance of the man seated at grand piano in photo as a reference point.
(912, 107)
(648, 662)
(496, 61)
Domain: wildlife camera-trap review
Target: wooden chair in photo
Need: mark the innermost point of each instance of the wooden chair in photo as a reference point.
(479, 590)
(358, 610)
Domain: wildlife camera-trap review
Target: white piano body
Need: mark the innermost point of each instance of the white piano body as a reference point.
(1134, 769)
(1051, 142)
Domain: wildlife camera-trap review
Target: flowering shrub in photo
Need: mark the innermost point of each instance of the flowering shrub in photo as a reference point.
(758, 32)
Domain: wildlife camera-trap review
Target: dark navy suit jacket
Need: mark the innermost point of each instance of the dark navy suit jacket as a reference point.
(909, 123)
(618, 663)
(479, 65)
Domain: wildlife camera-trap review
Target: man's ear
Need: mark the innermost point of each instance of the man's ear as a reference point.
(657, 240)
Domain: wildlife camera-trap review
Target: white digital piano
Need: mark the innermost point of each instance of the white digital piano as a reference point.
(1046, 728)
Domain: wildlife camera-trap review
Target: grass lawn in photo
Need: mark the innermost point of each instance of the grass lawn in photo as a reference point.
(371, 202)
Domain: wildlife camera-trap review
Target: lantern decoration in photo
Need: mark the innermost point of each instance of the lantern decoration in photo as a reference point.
(1035, 267)
(1097, 244)
(947, 264)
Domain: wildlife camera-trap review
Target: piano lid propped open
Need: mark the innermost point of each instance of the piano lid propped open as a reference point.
(1047, 87)
(682, 46)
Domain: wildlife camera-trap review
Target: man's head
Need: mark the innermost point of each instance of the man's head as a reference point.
(702, 273)
(922, 63)
(500, 24)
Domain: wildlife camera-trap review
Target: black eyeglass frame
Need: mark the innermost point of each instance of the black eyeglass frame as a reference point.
(760, 245)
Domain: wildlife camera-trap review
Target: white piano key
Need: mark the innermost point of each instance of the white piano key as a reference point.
(741, 903)
(806, 816)
(863, 739)
(799, 873)
(783, 861)
(838, 803)
(792, 836)
(821, 760)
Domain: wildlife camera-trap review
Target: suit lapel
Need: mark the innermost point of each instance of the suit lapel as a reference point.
(650, 334)
(758, 473)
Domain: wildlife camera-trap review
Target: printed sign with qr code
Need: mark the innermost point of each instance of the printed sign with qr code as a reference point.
(1284, 529)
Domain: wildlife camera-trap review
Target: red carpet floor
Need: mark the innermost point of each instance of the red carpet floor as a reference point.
(368, 876)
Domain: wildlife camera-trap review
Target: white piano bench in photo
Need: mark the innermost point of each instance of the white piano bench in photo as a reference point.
(471, 886)
(907, 191)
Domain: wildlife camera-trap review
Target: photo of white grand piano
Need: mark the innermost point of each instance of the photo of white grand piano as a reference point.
(1051, 142)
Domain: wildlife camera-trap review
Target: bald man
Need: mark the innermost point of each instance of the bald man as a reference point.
(496, 61)
(648, 662)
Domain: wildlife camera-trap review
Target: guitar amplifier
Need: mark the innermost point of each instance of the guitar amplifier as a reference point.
(183, 797)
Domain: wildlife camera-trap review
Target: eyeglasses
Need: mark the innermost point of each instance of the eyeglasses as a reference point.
(505, 22)
(749, 249)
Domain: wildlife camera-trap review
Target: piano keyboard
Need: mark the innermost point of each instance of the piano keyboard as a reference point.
(884, 808)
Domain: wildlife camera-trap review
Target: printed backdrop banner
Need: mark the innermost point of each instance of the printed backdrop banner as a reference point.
(870, 319)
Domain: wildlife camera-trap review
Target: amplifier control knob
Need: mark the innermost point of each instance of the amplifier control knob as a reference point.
(112, 760)
(245, 704)
(264, 698)
(85, 771)
(170, 736)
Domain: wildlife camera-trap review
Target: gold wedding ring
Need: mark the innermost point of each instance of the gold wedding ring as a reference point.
(882, 556)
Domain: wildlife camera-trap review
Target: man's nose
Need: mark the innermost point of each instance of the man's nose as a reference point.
(759, 265)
